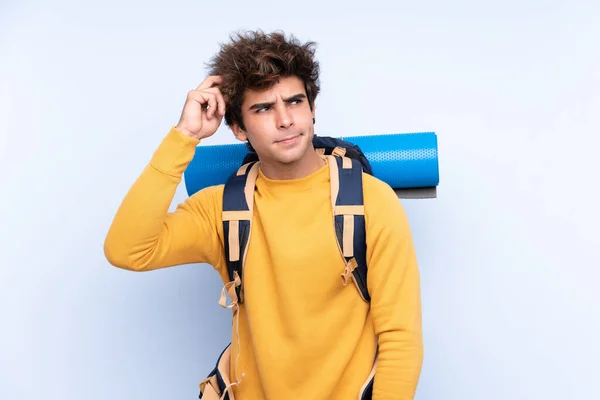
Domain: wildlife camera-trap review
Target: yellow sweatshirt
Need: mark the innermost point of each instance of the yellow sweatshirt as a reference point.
(303, 335)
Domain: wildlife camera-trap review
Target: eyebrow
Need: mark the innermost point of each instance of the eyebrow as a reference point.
(295, 97)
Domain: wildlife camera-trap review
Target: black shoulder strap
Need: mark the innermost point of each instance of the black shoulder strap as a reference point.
(349, 215)
(238, 201)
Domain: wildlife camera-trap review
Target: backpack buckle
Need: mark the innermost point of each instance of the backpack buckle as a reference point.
(230, 289)
(350, 267)
(339, 151)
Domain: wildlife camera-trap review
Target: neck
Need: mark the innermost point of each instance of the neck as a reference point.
(297, 170)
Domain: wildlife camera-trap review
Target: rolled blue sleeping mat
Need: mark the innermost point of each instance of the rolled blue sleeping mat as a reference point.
(402, 160)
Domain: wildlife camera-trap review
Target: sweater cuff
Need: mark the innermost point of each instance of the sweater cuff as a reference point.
(174, 154)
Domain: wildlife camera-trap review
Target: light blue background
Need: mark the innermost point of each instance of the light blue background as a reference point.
(508, 252)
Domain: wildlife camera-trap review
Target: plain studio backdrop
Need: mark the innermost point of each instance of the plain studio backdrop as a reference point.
(507, 252)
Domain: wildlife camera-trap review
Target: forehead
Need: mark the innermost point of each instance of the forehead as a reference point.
(286, 87)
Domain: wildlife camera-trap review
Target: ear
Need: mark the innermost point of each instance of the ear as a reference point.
(238, 132)
(314, 106)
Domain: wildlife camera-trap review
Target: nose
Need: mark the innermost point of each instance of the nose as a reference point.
(284, 118)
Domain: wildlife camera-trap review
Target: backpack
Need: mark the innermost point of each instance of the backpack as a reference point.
(346, 163)
(346, 187)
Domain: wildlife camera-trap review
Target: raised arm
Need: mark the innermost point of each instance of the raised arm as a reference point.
(144, 235)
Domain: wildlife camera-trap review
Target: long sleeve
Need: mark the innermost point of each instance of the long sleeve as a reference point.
(144, 235)
(394, 285)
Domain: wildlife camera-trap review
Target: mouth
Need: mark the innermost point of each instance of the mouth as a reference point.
(289, 139)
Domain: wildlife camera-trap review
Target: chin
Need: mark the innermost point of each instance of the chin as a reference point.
(288, 158)
(293, 154)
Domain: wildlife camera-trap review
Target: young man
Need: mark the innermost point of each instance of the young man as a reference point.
(299, 332)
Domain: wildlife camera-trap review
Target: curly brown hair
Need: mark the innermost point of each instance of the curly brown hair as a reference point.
(257, 60)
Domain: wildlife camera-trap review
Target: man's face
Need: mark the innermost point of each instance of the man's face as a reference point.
(279, 123)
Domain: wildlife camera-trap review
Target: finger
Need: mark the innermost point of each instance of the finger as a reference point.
(209, 82)
(206, 100)
(211, 101)
(221, 104)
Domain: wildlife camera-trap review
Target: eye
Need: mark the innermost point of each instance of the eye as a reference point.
(262, 109)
